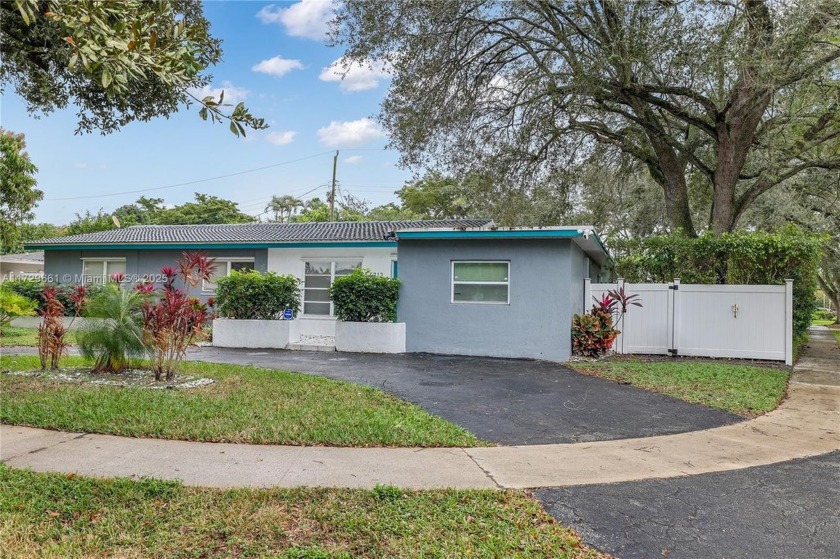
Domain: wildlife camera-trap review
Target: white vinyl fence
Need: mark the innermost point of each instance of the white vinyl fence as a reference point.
(741, 321)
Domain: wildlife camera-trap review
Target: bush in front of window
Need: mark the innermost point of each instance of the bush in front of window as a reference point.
(365, 297)
(252, 295)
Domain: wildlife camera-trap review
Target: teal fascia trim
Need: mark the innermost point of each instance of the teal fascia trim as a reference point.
(220, 246)
(527, 234)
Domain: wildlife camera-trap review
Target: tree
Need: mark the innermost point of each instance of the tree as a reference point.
(18, 195)
(314, 210)
(205, 209)
(117, 62)
(435, 196)
(812, 202)
(283, 207)
(33, 231)
(91, 223)
(734, 97)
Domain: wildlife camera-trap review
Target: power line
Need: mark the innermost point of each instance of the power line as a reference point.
(189, 182)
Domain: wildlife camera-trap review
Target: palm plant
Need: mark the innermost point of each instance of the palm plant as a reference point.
(116, 334)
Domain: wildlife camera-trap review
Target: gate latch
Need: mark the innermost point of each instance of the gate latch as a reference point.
(735, 310)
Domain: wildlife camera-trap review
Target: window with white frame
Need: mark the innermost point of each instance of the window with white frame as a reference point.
(481, 282)
(100, 270)
(224, 266)
(318, 277)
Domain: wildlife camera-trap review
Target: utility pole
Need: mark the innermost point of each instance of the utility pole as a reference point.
(332, 191)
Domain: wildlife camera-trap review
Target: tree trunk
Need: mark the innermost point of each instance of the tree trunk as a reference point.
(669, 173)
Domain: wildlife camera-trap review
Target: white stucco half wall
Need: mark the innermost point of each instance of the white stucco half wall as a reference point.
(255, 334)
(370, 337)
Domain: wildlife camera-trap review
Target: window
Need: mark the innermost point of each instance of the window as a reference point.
(223, 269)
(318, 277)
(99, 270)
(480, 282)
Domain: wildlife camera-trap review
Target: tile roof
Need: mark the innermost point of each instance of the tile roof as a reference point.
(24, 257)
(253, 232)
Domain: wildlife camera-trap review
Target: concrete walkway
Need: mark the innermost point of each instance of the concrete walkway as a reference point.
(806, 424)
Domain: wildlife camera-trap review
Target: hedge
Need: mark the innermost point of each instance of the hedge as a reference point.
(251, 295)
(731, 258)
(365, 297)
(32, 290)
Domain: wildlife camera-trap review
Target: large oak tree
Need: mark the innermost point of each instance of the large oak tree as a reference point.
(736, 97)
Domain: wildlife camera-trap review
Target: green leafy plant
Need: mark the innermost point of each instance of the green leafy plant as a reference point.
(824, 315)
(115, 334)
(12, 306)
(365, 297)
(740, 258)
(33, 289)
(256, 296)
(593, 333)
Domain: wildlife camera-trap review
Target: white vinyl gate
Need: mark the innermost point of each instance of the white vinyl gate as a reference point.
(742, 321)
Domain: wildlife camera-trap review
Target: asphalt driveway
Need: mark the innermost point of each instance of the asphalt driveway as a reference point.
(507, 401)
(785, 510)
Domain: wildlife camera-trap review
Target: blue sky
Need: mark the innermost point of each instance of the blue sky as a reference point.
(274, 59)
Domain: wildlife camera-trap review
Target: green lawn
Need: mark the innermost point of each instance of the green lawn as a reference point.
(13, 336)
(740, 389)
(53, 515)
(822, 322)
(244, 405)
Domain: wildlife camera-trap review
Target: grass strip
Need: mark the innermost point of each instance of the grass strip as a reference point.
(55, 515)
(741, 389)
(244, 405)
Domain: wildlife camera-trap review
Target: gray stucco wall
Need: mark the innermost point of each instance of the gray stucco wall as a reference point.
(65, 266)
(546, 289)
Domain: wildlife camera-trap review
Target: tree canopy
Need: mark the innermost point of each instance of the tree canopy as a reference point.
(206, 209)
(116, 62)
(728, 98)
(18, 195)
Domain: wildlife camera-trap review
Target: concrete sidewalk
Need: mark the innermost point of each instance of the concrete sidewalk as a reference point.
(806, 424)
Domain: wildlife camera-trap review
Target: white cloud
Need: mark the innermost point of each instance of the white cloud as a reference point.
(307, 18)
(281, 138)
(349, 133)
(233, 94)
(353, 159)
(277, 66)
(354, 76)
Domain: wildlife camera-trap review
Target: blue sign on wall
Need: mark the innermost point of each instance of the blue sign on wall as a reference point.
(288, 314)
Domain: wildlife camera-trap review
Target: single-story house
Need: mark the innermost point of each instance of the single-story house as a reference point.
(24, 265)
(468, 287)
(495, 291)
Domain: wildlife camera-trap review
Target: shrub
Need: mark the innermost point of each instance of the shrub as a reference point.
(823, 314)
(116, 335)
(253, 295)
(34, 289)
(729, 258)
(592, 333)
(365, 297)
(13, 305)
